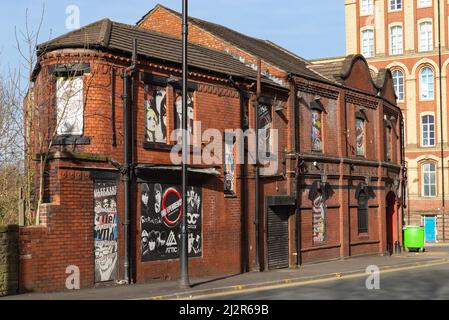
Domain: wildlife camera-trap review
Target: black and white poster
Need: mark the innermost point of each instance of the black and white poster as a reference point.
(155, 114)
(105, 231)
(161, 213)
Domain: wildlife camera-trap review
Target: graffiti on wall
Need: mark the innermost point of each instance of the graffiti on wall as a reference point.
(230, 156)
(178, 112)
(319, 219)
(161, 213)
(155, 114)
(316, 131)
(360, 137)
(105, 231)
(265, 124)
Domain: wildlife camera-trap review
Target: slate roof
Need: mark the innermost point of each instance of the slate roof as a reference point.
(329, 69)
(113, 36)
(266, 50)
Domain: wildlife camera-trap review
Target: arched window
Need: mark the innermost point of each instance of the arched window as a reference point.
(429, 182)
(428, 130)
(396, 43)
(425, 36)
(427, 83)
(368, 43)
(398, 81)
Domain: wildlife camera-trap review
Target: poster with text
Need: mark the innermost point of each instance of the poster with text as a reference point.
(161, 214)
(105, 231)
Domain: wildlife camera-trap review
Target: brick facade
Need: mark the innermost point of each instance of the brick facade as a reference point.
(228, 231)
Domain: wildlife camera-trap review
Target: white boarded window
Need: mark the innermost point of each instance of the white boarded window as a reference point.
(429, 180)
(427, 84)
(425, 36)
(395, 5)
(424, 3)
(70, 106)
(398, 81)
(368, 43)
(396, 42)
(367, 7)
(428, 131)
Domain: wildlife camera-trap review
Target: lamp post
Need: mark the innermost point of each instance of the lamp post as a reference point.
(184, 283)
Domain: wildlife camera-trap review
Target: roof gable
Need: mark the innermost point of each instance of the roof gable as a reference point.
(385, 84)
(266, 50)
(355, 73)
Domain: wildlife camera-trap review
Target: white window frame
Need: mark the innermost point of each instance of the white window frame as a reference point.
(396, 39)
(426, 126)
(397, 84)
(425, 38)
(70, 109)
(394, 4)
(424, 3)
(429, 173)
(426, 84)
(366, 8)
(371, 44)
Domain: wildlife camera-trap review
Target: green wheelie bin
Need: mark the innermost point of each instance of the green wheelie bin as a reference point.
(414, 238)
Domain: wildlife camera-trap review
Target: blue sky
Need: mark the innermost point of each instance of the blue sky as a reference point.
(310, 28)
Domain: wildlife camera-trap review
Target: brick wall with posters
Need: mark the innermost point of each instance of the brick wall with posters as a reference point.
(66, 234)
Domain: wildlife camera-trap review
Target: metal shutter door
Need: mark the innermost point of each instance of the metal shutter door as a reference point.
(277, 241)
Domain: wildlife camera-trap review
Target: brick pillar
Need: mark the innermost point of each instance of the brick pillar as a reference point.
(9, 264)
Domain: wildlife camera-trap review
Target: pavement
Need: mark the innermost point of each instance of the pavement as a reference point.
(170, 290)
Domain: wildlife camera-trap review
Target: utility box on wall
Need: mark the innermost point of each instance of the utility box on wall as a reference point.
(9, 260)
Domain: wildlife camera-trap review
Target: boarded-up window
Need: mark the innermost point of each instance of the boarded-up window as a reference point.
(317, 140)
(70, 106)
(230, 176)
(155, 114)
(360, 136)
(178, 112)
(265, 126)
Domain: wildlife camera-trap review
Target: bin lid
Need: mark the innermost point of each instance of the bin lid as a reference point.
(410, 227)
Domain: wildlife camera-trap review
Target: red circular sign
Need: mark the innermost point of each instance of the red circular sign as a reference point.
(167, 220)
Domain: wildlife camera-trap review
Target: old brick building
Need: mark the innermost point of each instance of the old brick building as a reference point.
(334, 193)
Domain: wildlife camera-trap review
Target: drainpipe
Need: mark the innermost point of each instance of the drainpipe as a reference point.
(296, 182)
(441, 117)
(404, 175)
(128, 73)
(257, 182)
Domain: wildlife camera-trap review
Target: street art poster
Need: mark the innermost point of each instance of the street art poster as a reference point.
(360, 137)
(178, 112)
(161, 214)
(105, 231)
(316, 131)
(265, 124)
(230, 156)
(319, 219)
(155, 114)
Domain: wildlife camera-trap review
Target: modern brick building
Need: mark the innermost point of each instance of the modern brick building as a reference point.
(406, 36)
(334, 193)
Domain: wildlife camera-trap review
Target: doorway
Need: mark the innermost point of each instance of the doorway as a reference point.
(277, 237)
(430, 228)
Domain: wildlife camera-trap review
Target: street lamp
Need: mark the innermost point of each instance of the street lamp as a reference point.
(184, 258)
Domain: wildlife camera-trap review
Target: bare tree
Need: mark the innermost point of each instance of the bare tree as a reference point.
(30, 120)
